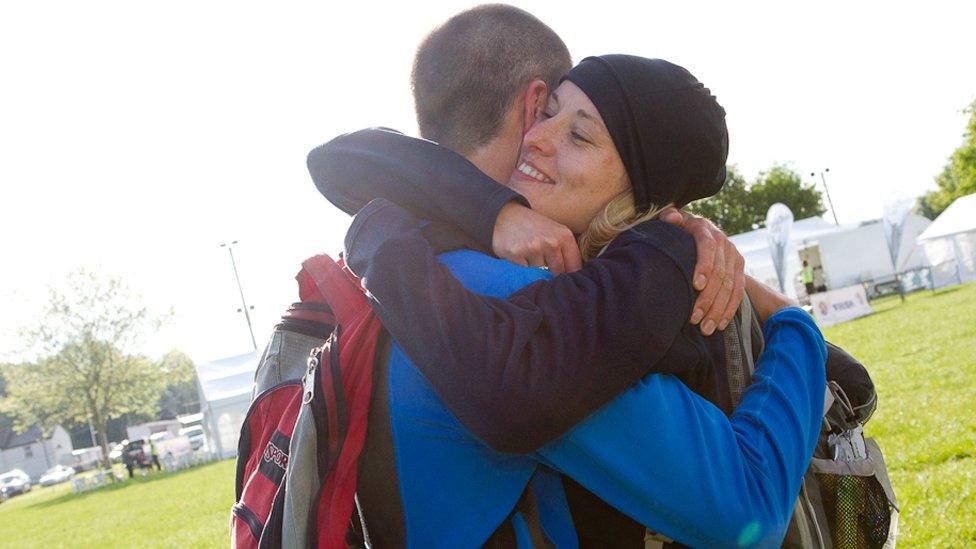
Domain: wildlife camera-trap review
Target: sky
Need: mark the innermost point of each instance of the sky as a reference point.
(136, 137)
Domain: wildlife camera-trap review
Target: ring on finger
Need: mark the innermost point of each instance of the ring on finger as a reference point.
(728, 283)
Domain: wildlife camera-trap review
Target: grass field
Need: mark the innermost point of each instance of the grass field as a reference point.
(185, 509)
(922, 356)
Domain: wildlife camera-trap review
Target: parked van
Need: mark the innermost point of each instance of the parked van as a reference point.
(195, 435)
(169, 444)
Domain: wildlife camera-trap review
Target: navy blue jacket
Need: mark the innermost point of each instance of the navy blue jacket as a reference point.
(588, 353)
(528, 369)
(462, 202)
(522, 371)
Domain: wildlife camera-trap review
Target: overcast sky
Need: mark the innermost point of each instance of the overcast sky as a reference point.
(135, 137)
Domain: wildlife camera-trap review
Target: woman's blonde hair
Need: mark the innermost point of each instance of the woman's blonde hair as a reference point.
(619, 215)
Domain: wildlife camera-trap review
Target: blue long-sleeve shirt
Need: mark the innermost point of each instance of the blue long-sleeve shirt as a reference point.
(673, 462)
(658, 452)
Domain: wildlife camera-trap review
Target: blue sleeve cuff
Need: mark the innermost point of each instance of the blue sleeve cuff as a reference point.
(789, 315)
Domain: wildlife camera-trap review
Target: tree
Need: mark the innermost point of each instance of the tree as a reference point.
(958, 177)
(740, 207)
(5, 419)
(88, 370)
(783, 184)
(729, 208)
(180, 396)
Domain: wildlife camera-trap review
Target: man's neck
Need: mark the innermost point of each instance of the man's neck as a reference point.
(494, 160)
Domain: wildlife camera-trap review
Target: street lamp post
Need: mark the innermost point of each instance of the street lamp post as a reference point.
(247, 315)
(829, 201)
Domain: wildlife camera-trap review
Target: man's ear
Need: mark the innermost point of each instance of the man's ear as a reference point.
(534, 100)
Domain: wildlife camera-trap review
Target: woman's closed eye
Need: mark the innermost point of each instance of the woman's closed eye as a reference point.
(580, 138)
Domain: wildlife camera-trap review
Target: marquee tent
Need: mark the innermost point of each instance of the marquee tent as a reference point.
(754, 247)
(950, 242)
(225, 392)
(845, 255)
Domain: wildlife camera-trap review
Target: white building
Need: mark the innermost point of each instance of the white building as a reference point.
(950, 242)
(841, 256)
(859, 254)
(225, 394)
(31, 452)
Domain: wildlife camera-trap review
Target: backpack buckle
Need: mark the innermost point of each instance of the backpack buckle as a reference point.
(848, 445)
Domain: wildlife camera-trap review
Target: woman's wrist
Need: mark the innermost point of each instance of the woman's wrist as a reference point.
(765, 300)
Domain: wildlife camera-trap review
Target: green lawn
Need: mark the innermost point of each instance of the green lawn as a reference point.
(185, 509)
(922, 355)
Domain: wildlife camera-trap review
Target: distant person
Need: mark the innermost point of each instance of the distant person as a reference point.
(127, 459)
(807, 274)
(154, 455)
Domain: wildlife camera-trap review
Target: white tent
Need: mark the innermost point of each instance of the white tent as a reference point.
(860, 254)
(950, 242)
(754, 247)
(847, 254)
(225, 393)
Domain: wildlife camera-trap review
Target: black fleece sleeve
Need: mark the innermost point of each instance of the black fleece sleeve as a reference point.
(520, 372)
(430, 181)
(853, 378)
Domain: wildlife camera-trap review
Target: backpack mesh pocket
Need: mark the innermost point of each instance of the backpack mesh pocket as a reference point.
(857, 510)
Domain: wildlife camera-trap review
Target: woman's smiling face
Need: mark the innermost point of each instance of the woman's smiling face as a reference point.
(569, 168)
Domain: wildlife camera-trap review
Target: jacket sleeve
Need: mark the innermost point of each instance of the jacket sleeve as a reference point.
(520, 372)
(854, 379)
(430, 181)
(678, 465)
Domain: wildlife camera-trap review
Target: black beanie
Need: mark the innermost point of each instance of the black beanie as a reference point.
(668, 128)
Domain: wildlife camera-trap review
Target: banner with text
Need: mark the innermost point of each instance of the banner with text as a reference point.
(840, 305)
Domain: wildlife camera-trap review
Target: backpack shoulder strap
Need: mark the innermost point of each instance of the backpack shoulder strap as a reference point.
(743, 344)
(324, 280)
(750, 332)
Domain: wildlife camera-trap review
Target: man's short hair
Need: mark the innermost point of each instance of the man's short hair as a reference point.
(468, 71)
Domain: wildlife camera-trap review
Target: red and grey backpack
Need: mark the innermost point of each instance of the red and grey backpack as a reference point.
(304, 431)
